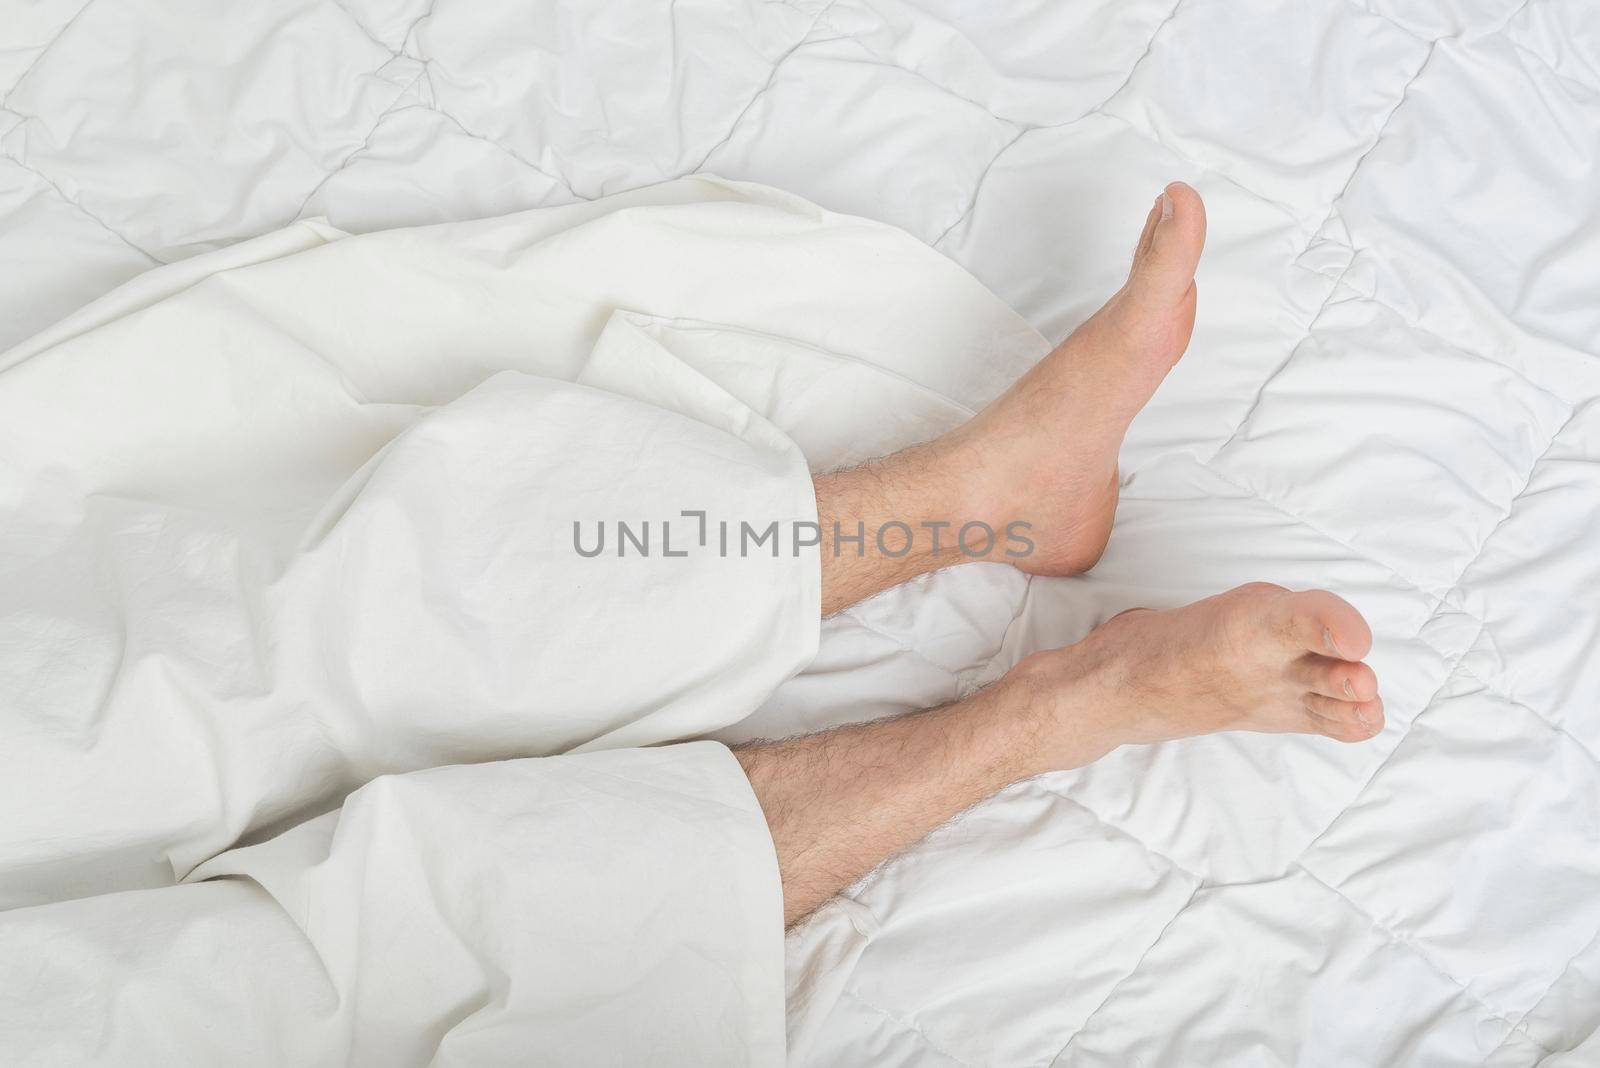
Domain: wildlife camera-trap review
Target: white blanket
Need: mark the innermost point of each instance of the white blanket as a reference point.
(284, 526)
(1392, 392)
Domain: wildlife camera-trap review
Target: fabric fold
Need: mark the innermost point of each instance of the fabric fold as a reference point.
(287, 525)
(435, 610)
(601, 908)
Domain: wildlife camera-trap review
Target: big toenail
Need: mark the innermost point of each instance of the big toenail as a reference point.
(1166, 205)
(1327, 639)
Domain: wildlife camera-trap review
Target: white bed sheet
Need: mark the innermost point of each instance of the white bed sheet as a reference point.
(1391, 392)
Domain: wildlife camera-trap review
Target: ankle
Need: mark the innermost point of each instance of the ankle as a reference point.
(977, 517)
(918, 507)
(922, 509)
(1054, 689)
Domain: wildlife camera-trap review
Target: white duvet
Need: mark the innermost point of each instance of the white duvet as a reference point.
(298, 519)
(1392, 393)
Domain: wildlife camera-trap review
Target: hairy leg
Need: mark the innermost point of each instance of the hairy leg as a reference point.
(1043, 455)
(1257, 658)
(917, 487)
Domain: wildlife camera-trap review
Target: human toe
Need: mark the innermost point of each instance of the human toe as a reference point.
(1344, 680)
(1176, 235)
(1317, 621)
(1344, 721)
(1142, 248)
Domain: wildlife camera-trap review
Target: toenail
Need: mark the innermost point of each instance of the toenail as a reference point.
(1166, 205)
(1348, 692)
(1327, 639)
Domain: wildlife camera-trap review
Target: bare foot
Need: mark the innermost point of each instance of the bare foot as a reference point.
(1045, 452)
(1257, 658)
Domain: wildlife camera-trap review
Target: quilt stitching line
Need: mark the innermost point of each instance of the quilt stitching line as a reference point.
(431, 105)
(1395, 940)
(366, 142)
(1525, 52)
(1501, 692)
(1287, 209)
(1439, 597)
(1099, 109)
(51, 43)
(1502, 30)
(401, 53)
(898, 644)
(1165, 928)
(1204, 883)
(1510, 18)
(1458, 668)
(1359, 5)
(1041, 784)
(1197, 882)
(1148, 136)
(1452, 587)
(1456, 344)
(1443, 595)
(772, 76)
(1557, 728)
(1133, 68)
(804, 38)
(1022, 128)
(438, 109)
(1212, 170)
(1372, 777)
(1389, 935)
(369, 35)
(1333, 207)
(1522, 1026)
(1333, 289)
(1026, 128)
(977, 188)
(1523, 1031)
(1271, 376)
(1511, 505)
(155, 261)
(890, 61)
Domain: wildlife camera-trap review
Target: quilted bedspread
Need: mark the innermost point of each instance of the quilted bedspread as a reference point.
(1392, 393)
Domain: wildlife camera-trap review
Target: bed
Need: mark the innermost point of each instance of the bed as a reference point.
(1392, 392)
